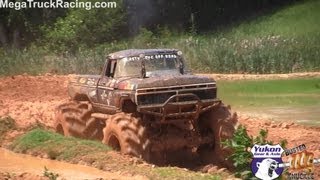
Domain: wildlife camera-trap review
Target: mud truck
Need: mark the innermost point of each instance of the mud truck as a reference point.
(146, 103)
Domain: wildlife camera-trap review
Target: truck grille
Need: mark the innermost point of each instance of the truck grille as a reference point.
(161, 95)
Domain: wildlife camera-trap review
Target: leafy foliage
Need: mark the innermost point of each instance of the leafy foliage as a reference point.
(49, 174)
(241, 143)
(79, 41)
(86, 27)
(62, 26)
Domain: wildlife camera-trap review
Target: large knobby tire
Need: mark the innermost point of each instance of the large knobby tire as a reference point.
(221, 124)
(126, 133)
(71, 118)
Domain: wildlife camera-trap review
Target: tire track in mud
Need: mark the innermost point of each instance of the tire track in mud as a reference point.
(29, 99)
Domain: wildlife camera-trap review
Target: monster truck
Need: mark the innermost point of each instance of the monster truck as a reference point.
(146, 102)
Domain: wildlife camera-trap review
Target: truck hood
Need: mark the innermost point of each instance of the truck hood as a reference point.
(163, 81)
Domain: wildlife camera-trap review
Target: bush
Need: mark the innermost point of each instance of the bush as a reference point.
(85, 28)
(51, 175)
(205, 54)
(6, 123)
(241, 144)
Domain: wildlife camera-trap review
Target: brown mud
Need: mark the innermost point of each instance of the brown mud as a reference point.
(31, 99)
(18, 164)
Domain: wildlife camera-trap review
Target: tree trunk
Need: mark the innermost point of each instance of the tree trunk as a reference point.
(3, 36)
(16, 39)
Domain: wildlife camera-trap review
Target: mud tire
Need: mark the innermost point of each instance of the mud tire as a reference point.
(71, 118)
(221, 123)
(126, 133)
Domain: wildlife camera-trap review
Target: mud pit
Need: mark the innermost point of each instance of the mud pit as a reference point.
(35, 168)
(29, 99)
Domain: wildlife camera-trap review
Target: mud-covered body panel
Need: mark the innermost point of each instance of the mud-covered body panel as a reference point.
(110, 94)
(167, 81)
(83, 85)
(106, 97)
(128, 88)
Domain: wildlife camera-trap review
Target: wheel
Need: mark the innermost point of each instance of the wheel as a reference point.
(125, 133)
(71, 119)
(220, 123)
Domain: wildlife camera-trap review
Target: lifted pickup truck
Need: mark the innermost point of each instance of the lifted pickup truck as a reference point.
(146, 102)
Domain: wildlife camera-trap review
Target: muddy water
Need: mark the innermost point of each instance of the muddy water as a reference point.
(301, 115)
(19, 163)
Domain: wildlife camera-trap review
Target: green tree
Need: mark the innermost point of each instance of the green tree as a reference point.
(18, 28)
(86, 27)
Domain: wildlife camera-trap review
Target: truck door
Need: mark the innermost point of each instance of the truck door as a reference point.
(106, 84)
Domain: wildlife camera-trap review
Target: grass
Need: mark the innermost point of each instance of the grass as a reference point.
(282, 42)
(284, 100)
(56, 146)
(267, 93)
(292, 21)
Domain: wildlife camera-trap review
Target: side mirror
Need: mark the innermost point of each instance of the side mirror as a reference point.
(181, 64)
(101, 69)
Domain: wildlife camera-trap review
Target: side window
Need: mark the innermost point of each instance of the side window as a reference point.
(111, 67)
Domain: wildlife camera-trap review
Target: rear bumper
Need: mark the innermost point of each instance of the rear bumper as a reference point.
(175, 110)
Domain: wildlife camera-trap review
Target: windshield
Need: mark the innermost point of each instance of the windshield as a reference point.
(153, 63)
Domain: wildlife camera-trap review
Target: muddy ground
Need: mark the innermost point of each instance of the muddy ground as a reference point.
(31, 99)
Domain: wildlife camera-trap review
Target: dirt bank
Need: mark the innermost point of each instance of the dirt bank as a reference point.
(29, 99)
